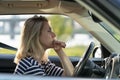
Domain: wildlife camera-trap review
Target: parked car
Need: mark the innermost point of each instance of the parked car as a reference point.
(100, 18)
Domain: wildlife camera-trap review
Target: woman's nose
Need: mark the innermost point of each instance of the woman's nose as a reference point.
(53, 35)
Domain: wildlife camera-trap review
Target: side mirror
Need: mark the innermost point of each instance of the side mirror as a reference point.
(97, 53)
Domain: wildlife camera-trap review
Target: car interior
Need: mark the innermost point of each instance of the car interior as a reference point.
(82, 65)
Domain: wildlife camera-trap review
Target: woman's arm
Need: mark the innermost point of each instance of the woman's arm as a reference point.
(66, 63)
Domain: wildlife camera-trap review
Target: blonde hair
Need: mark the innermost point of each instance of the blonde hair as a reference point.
(30, 44)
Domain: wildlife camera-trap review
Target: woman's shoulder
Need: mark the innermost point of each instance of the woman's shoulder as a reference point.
(28, 61)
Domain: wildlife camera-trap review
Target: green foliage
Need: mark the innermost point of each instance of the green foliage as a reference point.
(7, 51)
(117, 37)
(72, 51)
(61, 26)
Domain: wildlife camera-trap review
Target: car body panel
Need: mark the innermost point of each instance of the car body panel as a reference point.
(78, 11)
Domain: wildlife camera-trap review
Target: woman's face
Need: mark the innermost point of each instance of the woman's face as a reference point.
(47, 36)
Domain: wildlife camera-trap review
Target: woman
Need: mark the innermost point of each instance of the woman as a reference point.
(31, 57)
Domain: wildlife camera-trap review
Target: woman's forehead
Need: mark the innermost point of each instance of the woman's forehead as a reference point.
(47, 25)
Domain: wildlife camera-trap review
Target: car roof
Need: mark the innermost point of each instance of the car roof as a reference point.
(40, 6)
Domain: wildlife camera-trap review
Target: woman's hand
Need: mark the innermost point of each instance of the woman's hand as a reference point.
(58, 45)
(65, 61)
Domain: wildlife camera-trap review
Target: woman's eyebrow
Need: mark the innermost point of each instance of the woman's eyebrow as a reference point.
(50, 28)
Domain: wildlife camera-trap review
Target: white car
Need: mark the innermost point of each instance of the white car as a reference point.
(99, 18)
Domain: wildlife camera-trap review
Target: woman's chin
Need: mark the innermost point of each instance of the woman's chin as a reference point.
(50, 47)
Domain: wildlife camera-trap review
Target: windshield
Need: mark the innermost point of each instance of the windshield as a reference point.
(112, 31)
(116, 3)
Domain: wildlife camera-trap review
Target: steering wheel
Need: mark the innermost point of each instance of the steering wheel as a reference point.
(82, 62)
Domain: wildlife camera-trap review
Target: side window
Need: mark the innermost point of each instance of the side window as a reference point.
(66, 29)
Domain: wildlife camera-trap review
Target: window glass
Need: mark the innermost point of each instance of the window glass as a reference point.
(67, 30)
(112, 31)
(116, 3)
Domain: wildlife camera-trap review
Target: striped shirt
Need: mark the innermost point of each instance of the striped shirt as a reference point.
(29, 66)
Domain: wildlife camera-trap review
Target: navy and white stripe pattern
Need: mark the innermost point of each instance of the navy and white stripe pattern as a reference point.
(29, 66)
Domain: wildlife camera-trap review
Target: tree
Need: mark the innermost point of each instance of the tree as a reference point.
(62, 26)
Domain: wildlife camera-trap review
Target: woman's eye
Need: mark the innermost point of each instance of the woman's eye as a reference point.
(49, 31)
